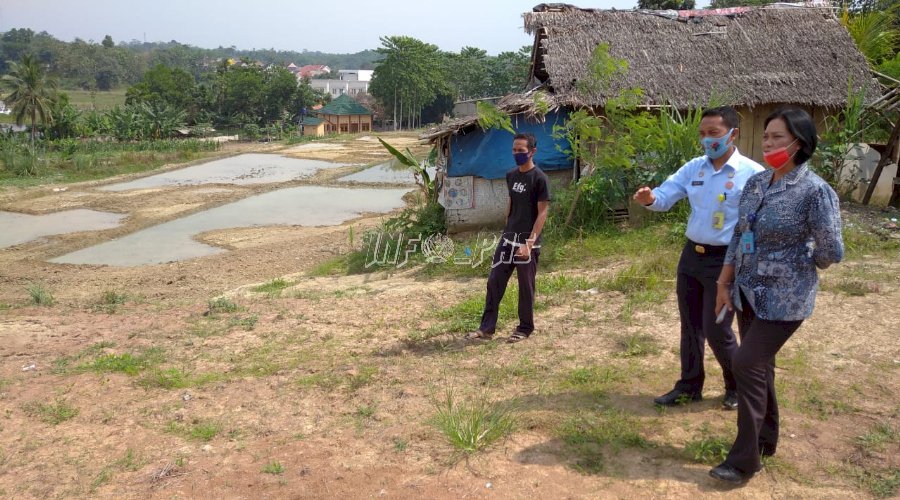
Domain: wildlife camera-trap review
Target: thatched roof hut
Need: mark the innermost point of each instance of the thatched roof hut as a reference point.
(749, 56)
(756, 59)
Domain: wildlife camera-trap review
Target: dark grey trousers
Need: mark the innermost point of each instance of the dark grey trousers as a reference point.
(754, 369)
(503, 266)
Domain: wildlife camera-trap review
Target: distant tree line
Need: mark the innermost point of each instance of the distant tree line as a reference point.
(102, 66)
(416, 83)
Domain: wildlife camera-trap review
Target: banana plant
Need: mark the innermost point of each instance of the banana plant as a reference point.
(419, 168)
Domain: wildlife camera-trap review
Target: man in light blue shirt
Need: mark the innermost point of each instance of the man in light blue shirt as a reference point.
(712, 184)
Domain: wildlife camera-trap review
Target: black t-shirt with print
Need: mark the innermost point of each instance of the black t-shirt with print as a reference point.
(526, 189)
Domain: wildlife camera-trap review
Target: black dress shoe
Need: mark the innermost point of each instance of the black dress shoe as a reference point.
(729, 402)
(678, 397)
(729, 474)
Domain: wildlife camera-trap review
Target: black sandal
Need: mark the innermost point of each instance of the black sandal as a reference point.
(517, 336)
(478, 335)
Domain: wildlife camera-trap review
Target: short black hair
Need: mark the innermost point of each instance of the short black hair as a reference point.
(801, 126)
(529, 138)
(728, 114)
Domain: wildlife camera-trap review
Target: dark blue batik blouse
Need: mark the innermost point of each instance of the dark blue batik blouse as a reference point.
(796, 224)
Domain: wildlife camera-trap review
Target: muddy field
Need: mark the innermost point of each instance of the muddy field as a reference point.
(240, 375)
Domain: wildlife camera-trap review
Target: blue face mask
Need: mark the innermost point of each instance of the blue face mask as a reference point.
(521, 158)
(715, 147)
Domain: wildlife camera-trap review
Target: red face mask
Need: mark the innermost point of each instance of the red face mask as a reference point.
(779, 157)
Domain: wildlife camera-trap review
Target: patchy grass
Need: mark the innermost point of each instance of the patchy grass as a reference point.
(198, 430)
(365, 411)
(498, 375)
(175, 378)
(400, 444)
(472, 426)
(638, 345)
(589, 434)
(274, 468)
(855, 287)
(813, 397)
(364, 376)
(222, 305)
(131, 462)
(272, 288)
(51, 413)
(68, 364)
(466, 315)
(110, 301)
(72, 160)
(40, 294)
(335, 266)
(594, 381)
(708, 448)
(878, 437)
(279, 353)
(126, 363)
(324, 381)
(880, 482)
(861, 240)
(247, 323)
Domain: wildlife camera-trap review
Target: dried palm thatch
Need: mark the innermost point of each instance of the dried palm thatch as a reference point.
(751, 57)
(758, 56)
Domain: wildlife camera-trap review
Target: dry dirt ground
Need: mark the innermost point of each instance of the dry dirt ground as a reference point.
(326, 387)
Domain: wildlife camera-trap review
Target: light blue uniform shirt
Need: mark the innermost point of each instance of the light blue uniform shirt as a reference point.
(702, 185)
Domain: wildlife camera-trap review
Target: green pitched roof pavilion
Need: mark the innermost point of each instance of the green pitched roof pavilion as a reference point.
(343, 105)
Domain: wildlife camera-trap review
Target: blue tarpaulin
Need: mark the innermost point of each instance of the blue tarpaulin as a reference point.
(488, 153)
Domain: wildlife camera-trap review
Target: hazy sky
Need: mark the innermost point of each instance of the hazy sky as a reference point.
(326, 25)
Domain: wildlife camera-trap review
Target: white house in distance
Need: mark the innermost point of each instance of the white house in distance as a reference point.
(351, 82)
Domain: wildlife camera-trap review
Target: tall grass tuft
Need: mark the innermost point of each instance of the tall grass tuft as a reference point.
(472, 426)
(40, 295)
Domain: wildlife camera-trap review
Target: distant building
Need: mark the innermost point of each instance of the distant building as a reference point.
(312, 71)
(356, 75)
(351, 82)
(342, 115)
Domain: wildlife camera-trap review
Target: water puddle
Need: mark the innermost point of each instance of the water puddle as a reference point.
(392, 172)
(253, 168)
(21, 228)
(173, 241)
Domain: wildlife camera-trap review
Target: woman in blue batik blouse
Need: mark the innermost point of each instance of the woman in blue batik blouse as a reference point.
(789, 225)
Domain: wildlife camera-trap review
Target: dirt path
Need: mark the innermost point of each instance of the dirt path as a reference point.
(324, 387)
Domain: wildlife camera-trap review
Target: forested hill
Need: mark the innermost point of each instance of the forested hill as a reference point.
(108, 63)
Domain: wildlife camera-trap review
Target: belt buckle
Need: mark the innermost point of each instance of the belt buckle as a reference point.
(699, 249)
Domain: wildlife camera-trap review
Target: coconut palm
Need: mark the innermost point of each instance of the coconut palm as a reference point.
(874, 33)
(32, 92)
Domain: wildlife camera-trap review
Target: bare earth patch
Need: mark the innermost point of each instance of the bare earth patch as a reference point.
(241, 375)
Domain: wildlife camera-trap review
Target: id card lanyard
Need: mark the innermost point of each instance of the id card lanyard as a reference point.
(748, 238)
(718, 218)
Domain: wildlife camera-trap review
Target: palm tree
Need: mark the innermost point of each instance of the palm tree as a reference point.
(874, 32)
(32, 92)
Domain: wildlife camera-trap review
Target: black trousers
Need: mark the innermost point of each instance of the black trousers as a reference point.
(696, 290)
(502, 267)
(754, 369)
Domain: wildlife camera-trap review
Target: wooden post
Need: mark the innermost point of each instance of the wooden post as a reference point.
(891, 153)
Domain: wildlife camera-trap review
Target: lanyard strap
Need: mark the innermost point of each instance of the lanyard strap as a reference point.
(752, 216)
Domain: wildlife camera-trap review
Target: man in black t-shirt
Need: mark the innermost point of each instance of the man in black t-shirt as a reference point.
(520, 244)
